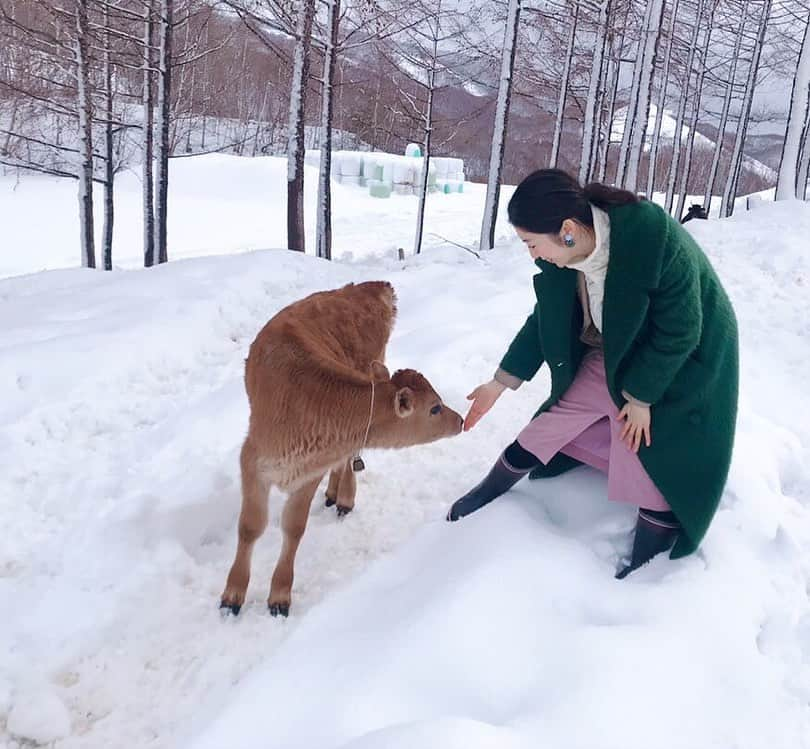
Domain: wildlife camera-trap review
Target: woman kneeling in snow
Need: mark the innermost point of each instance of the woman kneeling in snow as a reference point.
(641, 341)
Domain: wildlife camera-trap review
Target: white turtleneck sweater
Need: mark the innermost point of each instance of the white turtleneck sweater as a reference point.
(594, 269)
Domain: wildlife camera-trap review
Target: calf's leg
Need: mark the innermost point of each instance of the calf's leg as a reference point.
(332, 486)
(252, 522)
(342, 489)
(293, 524)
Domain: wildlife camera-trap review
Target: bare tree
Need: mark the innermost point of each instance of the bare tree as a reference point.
(590, 124)
(85, 108)
(427, 37)
(616, 40)
(803, 175)
(638, 110)
(296, 239)
(324, 242)
(148, 135)
(109, 142)
(682, 104)
(487, 240)
(727, 96)
(166, 23)
(730, 190)
(661, 102)
(564, 82)
(789, 164)
(58, 82)
(693, 125)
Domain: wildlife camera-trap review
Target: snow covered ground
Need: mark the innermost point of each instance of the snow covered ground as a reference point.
(218, 204)
(120, 425)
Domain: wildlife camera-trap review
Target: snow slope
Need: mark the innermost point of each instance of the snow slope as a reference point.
(119, 435)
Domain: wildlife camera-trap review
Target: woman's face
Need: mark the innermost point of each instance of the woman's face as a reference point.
(551, 247)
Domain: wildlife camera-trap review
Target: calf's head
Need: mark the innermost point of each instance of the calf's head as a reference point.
(419, 415)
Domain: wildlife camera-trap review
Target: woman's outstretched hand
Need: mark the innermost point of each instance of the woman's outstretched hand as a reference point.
(483, 398)
(636, 425)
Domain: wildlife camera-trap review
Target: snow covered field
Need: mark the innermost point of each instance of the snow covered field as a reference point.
(218, 204)
(120, 426)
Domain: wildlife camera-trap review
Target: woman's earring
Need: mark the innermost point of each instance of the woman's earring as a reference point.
(569, 240)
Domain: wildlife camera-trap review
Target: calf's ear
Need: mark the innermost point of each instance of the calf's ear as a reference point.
(403, 402)
(379, 372)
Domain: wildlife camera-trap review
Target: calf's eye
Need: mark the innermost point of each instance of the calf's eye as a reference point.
(435, 410)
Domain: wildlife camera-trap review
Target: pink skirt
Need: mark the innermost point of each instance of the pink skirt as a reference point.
(583, 425)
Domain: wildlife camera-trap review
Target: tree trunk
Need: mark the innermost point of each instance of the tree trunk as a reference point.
(12, 123)
(109, 146)
(603, 124)
(487, 240)
(684, 98)
(260, 123)
(85, 110)
(589, 126)
(641, 117)
(721, 132)
(804, 163)
(428, 119)
(164, 121)
(611, 106)
(631, 113)
(147, 139)
(683, 187)
(787, 184)
(661, 105)
(569, 55)
(192, 94)
(324, 242)
(296, 146)
(730, 191)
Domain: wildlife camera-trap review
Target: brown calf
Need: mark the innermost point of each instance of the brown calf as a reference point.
(319, 393)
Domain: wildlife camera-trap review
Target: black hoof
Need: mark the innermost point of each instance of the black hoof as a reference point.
(279, 609)
(329, 501)
(625, 571)
(229, 608)
(343, 511)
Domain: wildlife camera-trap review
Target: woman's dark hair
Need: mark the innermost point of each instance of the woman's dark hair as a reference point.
(544, 199)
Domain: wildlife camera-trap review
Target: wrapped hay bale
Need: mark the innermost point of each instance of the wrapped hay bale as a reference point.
(379, 189)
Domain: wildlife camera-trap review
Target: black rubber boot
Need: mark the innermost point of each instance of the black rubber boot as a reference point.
(656, 532)
(503, 476)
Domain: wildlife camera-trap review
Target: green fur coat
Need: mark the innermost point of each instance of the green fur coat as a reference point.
(670, 339)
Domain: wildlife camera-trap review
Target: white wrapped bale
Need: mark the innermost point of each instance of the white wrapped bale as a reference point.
(442, 166)
(386, 163)
(403, 172)
(379, 189)
(455, 165)
(375, 170)
(432, 175)
(754, 202)
(413, 149)
(350, 163)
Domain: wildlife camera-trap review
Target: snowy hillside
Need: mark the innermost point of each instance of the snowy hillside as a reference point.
(120, 426)
(668, 130)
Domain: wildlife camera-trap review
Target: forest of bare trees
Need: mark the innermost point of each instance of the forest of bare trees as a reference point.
(89, 88)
